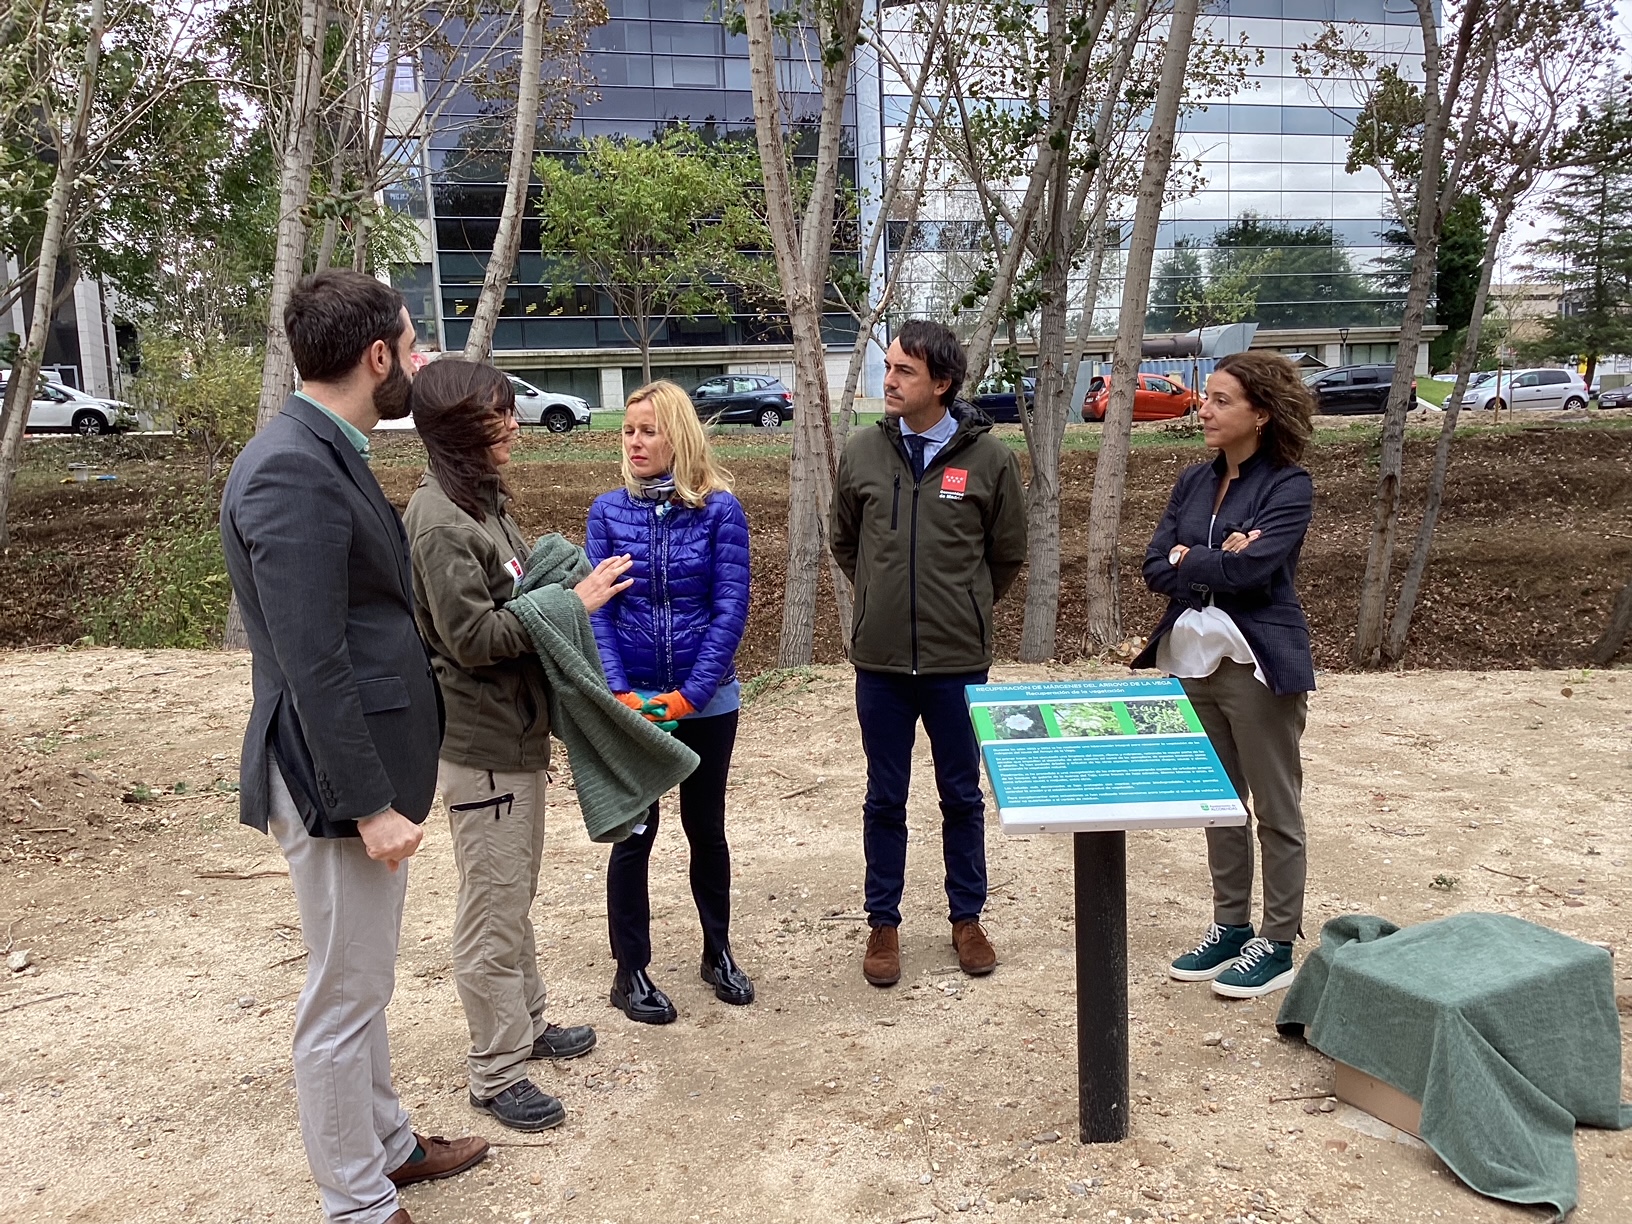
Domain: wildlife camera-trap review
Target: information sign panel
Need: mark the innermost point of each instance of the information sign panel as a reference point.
(1095, 755)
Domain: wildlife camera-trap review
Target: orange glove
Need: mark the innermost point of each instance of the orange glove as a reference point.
(631, 700)
(676, 705)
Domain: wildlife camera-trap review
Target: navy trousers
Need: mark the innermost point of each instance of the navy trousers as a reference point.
(889, 706)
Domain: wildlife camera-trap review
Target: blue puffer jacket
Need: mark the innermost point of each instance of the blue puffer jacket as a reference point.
(679, 626)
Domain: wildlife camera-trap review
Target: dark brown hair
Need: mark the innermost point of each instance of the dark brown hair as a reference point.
(1273, 384)
(937, 347)
(461, 409)
(333, 319)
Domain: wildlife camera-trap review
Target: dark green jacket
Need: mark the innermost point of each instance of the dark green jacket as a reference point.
(928, 559)
(492, 682)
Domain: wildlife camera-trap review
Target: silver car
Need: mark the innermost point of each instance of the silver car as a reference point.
(1529, 389)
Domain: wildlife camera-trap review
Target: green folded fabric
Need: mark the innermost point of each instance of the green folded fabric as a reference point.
(1504, 1030)
(620, 762)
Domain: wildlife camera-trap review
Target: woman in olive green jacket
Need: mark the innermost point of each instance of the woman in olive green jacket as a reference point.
(468, 554)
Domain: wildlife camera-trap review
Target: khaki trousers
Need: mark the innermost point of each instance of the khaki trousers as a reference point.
(498, 842)
(1256, 736)
(354, 1127)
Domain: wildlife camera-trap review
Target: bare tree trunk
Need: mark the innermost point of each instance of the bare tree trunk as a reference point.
(25, 371)
(1055, 144)
(1104, 627)
(1433, 201)
(802, 250)
(1620, 624)
(507, 245)
(374, 145)
(300, 141)
(1045, 431)
(1411, 585)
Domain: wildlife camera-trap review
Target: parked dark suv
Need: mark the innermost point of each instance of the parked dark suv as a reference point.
(743, 399)
(1352, 389)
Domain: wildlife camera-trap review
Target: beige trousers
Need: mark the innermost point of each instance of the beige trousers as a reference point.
(1256, 735)
(498, 842)
(354, 1127)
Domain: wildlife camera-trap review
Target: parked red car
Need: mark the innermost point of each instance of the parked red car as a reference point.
(1158, 399)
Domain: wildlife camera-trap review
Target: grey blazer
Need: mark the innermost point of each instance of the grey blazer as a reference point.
(344, 693)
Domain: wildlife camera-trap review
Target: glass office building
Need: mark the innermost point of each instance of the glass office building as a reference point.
(655, 63)
(1273, 189)
(1273, 203)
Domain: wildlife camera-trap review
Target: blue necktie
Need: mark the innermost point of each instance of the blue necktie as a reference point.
(915, 448)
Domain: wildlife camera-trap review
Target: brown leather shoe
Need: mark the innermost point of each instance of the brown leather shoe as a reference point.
(976, 956)
(882, 964)
(443, 1158)
(399, 1216)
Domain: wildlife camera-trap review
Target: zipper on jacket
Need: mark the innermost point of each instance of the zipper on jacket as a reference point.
(663, 613)
(895, 502)
(912, 576)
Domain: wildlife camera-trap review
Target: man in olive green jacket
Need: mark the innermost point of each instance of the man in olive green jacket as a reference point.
(929, 523)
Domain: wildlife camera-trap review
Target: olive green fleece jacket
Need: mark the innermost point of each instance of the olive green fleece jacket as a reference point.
(492, 682)
(928, 558)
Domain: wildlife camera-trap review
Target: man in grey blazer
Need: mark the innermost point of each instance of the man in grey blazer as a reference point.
(339, 760)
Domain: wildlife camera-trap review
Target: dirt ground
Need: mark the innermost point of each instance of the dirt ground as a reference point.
(144, 1053)
(1531, 550)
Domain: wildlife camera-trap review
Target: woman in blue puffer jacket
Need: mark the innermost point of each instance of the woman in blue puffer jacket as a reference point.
(668, 644)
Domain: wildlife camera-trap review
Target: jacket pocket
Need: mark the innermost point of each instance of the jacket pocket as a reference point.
(980, 621)
(382, 693)
(895, 503)
(856, 616)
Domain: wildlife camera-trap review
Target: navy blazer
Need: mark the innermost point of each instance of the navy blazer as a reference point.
(1257, 586)
(343, 687)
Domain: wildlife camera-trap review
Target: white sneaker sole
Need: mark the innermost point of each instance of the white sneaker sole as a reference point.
(1198, 975)
(1279, 982)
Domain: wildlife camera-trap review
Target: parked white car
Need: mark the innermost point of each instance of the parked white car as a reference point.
(556, 412)
(60, 407)
(1529, 389)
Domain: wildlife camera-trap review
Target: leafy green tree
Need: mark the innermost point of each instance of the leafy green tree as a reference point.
(1190, 299)
(1176, 280)
(1462, 244)
(1296, 275)
(667, 228)
(1587, 252)
(205, 388)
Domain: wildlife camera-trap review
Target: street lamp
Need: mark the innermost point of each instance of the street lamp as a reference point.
(1343, 346)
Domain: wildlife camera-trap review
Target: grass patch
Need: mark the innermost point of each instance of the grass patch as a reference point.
(177, 592)
(1433, 391)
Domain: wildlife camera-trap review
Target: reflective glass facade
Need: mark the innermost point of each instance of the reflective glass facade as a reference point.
(656, 64)
(1274, 204)
(1274, 199)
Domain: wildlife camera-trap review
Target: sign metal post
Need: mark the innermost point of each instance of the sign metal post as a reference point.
(1095, 759)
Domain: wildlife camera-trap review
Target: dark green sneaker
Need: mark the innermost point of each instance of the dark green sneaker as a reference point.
(1265, 965)
(1214, 954)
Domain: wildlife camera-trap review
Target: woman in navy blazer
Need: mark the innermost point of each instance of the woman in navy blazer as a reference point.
(668, 645)
(1226, 556)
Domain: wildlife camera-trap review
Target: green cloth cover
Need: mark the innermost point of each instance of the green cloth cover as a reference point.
(1504, 1030)
(620, 762)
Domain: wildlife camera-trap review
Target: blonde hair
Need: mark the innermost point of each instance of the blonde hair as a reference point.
(696, 473)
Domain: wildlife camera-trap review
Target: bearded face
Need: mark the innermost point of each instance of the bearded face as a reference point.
(391, 396)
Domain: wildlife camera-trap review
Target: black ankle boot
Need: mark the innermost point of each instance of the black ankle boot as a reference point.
(634, 994)
(731, 984)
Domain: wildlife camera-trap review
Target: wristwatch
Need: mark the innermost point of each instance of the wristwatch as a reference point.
(1175, 554)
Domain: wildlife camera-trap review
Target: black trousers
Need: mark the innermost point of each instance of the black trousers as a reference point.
(702, 816)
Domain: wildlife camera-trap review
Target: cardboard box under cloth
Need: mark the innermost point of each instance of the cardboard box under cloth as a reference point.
(1505, 1031)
